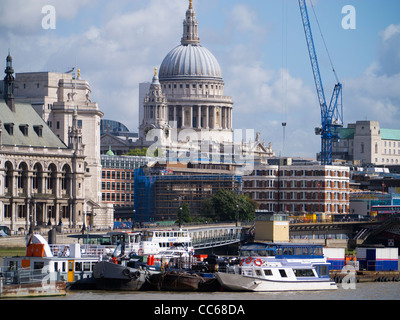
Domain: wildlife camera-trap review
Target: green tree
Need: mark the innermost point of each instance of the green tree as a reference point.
(137, 152)
(183, 214)
(227, 205)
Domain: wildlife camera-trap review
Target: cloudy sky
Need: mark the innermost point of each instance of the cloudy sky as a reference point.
(259, 44)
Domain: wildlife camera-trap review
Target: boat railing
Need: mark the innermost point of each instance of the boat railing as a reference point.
(202, 240)
(86, 250)
(23, 276)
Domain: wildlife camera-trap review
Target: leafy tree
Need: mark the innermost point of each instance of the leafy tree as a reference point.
(137, 152)
(143, 152)
(226, 205)
(183, 214)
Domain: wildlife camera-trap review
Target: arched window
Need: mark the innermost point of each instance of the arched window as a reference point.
(51, 181)
(37, 179)
(9, 176)
(22, 176)
(66, 179)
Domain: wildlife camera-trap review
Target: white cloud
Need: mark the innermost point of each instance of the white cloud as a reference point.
(375, 94)
(120, 50)
(21, 16)
(244, 19)
(390, 31)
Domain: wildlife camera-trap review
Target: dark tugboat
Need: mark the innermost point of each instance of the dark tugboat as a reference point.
(122, 272)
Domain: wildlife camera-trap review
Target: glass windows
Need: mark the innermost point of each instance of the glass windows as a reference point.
(303, 273)
(282, 273)
(86, 266)
(268, 272)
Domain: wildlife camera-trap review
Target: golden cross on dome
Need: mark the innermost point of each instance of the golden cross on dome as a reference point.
(190, 4)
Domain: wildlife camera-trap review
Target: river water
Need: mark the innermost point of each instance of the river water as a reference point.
(362, 291)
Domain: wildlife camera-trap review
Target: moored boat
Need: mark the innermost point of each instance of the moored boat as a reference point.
(141, 242)
(177, 281)
(109, 275)
(68, 266)
(278, 267)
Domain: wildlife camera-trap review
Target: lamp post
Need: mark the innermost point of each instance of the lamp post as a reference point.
(180, 217)
(133, 220)
(319, 197)
(31, 204)
(237, 215)
(383, 193)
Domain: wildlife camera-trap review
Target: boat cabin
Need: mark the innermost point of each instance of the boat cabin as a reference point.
(282, 250)
(284, 254)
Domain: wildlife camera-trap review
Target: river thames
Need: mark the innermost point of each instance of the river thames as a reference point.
(363, 291)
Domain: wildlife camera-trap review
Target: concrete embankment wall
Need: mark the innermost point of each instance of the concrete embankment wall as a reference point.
(20, 241)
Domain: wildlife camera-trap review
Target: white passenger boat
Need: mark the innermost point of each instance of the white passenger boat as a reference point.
(147, 242)
(69, 266)
(278, 267)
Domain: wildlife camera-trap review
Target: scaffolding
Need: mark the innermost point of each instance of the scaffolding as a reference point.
(159, 194)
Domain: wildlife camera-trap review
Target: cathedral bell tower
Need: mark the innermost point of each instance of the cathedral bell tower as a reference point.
(155, 113)
(190, 25)
(9, 84)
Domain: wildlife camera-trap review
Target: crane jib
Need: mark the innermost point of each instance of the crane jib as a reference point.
(332, 115)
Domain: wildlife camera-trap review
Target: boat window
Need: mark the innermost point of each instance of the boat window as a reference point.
(322, 270)
(12, 265)
(78, 266)
(262, 253)
(268, 272)
(283, 273)
(318, 251)
(86, 266)
(298, 251)
(305, 251)
(55, 266)
(271, 253)
(64, 266)
(303, 273)
(245, 253)
(258, 272)
(278, 251)
(70, 266)
(37, 265)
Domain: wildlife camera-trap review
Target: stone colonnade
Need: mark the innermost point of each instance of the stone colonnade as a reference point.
(36, 197)
(201, 116)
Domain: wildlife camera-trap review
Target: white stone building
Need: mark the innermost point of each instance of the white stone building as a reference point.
(186, 100)
(60, 100)
(366, 142)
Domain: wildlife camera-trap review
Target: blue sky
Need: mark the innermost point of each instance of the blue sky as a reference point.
(259, 44)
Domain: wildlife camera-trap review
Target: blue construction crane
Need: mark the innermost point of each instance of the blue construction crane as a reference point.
(332, 116)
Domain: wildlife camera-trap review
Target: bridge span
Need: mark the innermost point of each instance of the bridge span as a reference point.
(216, 235)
